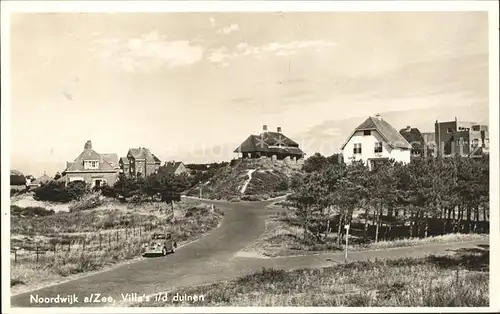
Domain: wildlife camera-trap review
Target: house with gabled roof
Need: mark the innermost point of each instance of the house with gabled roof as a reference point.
(375, 140)
(174, 168)
(93, 168)
(269, 144)
(44, 179)
(139, 161)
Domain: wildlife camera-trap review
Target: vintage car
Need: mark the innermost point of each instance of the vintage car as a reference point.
(161, 243)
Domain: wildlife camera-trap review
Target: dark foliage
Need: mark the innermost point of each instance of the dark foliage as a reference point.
(17, 179)
(428, 196)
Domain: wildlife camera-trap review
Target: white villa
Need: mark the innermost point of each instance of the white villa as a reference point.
(376, 140)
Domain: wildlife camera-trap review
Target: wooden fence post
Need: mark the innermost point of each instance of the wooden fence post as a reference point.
(84, 242)
(100, 240)
(15, 255)
(37, 253)
(117, 235)
(54, 251)
(109, 239)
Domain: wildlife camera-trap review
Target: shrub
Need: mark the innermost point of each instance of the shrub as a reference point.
(17, 179)
(87, 202)
(52, 192)
(77, 189)
(283, 186)
(108, 191)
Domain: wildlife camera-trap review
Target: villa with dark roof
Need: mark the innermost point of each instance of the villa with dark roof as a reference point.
(139, 161)
(275, 145)
(375, 140)
(92, 168)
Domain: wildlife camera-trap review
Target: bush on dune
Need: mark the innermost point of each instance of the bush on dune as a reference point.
(89, 201)
(58, 192)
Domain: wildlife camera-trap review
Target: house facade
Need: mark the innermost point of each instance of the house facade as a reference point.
(93, 168)
(460, 137)
(275, 145)
(139, 162)
(375, 140)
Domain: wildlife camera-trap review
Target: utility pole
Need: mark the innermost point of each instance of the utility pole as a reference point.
(201, 187)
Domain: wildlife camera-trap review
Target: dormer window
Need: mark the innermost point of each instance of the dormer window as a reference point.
(91, 164)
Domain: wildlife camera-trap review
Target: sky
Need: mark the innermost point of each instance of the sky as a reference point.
(193, 86)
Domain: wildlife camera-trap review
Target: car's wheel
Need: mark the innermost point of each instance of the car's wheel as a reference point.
(164, 251)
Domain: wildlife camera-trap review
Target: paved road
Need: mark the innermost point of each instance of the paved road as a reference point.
(210, 259)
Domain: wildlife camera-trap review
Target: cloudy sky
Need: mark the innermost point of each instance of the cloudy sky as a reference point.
(191, 86)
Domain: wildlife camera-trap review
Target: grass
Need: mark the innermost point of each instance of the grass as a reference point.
(460, 279)
(190, 221)
(282, 238)
(109, 215)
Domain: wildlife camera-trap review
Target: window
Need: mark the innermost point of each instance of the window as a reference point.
(449, 130)
(357, 148)
(91, 164)
(475, 142)
(378, 147)
(367, 132)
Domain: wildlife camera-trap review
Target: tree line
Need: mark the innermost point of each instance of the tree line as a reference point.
(155, 187)
(442, 195)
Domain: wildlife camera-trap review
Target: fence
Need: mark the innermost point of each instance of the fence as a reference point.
(88, 242)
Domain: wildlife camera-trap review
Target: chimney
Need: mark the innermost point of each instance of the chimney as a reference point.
(88, 145)
(408, 127)
(278, 129)
(378, 116)
(264, 128)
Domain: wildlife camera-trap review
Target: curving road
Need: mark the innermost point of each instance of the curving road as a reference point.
(209, 259)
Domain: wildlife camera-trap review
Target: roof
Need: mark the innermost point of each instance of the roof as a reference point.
(141, 153)
(14, 172)
(61, 179)
(270, 142)
(124, 160)
(412, 135)
(43, 179)
(156, 159)
(90, 154)
(170, 167)
(392, 137)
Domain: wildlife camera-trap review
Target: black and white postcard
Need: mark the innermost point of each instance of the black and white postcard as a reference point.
(251, 156)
